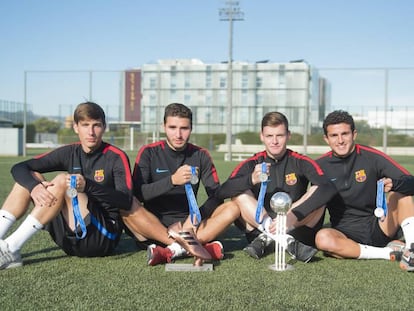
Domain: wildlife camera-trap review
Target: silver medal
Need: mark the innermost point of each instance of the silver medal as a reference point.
(263, 177)
(71, 192)
(194, 179)
(379, 212)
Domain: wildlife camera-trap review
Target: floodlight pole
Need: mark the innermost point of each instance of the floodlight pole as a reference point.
(90, 85)
(307, 99)
(385, 132)
(230, 13)
(24, 114)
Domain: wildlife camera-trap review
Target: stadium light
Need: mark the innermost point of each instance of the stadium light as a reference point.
(24, 114)
(231, 13)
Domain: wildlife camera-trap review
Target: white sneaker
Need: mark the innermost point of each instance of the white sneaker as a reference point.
(397, 248)
(7, 258)
(177, 250)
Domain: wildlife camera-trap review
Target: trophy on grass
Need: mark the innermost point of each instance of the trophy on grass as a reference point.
(280, 203)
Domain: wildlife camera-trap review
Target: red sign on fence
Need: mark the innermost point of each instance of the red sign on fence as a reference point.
(133, 95)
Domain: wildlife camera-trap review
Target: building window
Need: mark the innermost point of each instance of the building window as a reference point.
(187, 82)
(209, 101)
(282, 76)
(152, 114)
(208, 77)
(259, 82)
(244, 98)
(223, 82)
(208, 80)
(223, 99)
(243, 114)
(187, 99)
(153, 83)
(259, 100)
(245, 77)
(245, 81)
(153, 100)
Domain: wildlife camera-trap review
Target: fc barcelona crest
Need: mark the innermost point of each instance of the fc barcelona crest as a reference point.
(291, 179)
(99, 176)
(360, 176)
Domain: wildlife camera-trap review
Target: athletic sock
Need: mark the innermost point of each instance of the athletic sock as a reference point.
(282, 239)
(6, 221)
(407, 226)
(264, 226)
(267, 221)
(26, 230)
(373, 252)
(177, 250)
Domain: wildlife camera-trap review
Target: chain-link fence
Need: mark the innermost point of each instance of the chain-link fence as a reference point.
(382, 97)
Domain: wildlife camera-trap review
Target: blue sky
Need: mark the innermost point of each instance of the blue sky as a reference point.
(117, 35)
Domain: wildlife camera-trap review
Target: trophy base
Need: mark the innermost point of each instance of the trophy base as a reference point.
(278, 268)
(188, 267)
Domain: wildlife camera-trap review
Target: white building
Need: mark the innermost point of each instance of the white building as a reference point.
(294, 89)
(399, 120)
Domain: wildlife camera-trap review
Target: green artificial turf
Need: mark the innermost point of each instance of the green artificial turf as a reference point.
(51, 280)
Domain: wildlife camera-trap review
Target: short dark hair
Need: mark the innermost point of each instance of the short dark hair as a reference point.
(336, 117)
(275, 118)
(178, 110)
(89, 110)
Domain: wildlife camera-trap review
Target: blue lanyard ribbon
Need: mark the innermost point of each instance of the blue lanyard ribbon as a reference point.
(76, 211)
(262, 193)
(195, 215)
(381, 199)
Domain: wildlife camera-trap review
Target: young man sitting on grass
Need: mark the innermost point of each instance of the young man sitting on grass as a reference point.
(86, 220)
(167, 176)
(360, 228)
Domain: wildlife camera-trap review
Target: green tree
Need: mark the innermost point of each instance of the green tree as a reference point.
(45, 125)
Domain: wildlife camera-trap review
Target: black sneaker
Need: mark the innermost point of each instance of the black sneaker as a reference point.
(301, 251)
(257, 247)
(251, 235)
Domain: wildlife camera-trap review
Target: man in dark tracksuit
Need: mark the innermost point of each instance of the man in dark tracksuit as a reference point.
(160, 215)
(103, 186)
(154, 166)
(288, 172)
(355, 170)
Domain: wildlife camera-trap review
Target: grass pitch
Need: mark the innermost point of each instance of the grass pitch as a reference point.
(51, 280)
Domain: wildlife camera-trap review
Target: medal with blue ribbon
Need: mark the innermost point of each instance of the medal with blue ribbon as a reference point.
(263, 186)
(381, 202)
(73, 193)
(195, 215)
